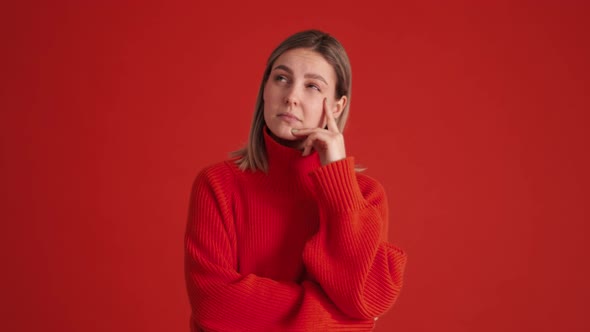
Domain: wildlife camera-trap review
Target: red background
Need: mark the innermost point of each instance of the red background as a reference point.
(474, 117)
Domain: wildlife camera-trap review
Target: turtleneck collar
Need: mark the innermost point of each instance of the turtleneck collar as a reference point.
(283, 160)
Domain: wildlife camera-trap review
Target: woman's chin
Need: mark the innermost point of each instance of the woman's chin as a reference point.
(283, 133)
(284, 136)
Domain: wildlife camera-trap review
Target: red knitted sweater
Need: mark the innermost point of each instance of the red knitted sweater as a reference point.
(300, 248)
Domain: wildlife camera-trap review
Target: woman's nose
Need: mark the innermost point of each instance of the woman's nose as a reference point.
(291, 98)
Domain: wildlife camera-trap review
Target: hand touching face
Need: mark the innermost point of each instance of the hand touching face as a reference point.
(329, 143)
(300, 89)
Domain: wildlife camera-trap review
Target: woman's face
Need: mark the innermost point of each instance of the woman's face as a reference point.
(299, 81)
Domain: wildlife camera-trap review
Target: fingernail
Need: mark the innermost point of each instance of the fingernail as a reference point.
(293, 130)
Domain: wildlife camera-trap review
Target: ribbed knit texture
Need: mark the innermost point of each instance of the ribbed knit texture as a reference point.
(302, 248)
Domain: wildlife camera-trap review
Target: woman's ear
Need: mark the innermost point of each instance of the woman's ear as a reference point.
(340, 105)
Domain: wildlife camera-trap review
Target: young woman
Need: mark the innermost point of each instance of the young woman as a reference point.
(287, 236)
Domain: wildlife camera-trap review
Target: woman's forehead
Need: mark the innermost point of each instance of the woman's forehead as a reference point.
(305, 61)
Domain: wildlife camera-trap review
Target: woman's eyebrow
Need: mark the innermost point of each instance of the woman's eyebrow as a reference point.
(307, 75)
(285, 68)
(316, 76)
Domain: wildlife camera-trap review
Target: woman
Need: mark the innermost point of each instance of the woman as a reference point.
(287, 236)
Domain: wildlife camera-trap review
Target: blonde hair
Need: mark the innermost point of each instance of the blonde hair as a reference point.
(253, 155)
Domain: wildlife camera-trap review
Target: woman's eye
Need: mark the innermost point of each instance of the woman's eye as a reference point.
(313, 86)
(280, 78)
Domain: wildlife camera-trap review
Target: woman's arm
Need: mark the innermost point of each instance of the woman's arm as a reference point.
(349, 256)
(223, 299)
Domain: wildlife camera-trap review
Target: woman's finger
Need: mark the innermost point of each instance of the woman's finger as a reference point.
(308, 145)
(304, 131)
(331, 121)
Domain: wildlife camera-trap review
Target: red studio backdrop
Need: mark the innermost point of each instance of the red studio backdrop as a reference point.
(474, 116)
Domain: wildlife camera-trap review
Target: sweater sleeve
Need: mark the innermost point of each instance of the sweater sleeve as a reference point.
(222, 299)
(349, 256)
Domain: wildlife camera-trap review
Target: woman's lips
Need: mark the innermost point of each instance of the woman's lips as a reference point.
(288, 117)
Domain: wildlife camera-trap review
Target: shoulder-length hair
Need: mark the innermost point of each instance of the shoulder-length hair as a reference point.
(253, 155)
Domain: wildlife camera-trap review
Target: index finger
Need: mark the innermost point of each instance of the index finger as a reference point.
(332, 125)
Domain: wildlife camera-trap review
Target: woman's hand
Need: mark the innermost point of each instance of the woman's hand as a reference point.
(329, 143)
